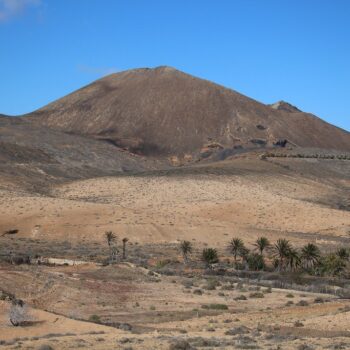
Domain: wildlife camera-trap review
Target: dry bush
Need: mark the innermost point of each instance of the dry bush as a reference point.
(19, 315)
(45, 347)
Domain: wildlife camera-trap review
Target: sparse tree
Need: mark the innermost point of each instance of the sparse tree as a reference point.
(210, 256)
(261, 244)
(310, 255)
(125, 240)
(111, 239)
(186, 249)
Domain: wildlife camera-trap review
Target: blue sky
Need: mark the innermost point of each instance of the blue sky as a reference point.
(295, 50)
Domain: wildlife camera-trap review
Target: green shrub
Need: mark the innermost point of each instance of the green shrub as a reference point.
(256, 295)
(256, 262)
(331, 265)
(162, 263)
(215, 307)
(95, 319)
(303, 303)
(211, 284)
(228, 287)
(210, 256)
(319, 300)
(197, 292)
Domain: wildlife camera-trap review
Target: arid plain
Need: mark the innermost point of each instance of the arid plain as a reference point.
(152, 300)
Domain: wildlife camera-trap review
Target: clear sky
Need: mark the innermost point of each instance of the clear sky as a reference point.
(293, 50)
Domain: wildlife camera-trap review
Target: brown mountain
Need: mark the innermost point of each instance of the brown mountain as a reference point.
(163, 111)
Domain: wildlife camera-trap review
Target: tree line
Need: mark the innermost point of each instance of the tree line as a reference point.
(281, 256)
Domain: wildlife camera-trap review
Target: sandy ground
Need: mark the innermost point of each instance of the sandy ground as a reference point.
(163, 311)
(204, 208)
(153, 211)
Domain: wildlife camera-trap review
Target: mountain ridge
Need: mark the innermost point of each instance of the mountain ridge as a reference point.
(164, 112)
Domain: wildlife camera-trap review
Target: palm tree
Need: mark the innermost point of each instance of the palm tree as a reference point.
(236, 246)
(111, 238)
(185, 248)
(262, 243)
(282, 249)
(310, 255)
(244, 254)
(293, 259)
(210, 256)
(125, 240)
(343, 254)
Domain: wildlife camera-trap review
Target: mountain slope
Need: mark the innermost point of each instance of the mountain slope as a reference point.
(163, 111)
(36, 156)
